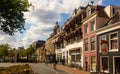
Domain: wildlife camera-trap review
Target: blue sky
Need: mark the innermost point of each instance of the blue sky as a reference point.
(41, 20)
(111, 2)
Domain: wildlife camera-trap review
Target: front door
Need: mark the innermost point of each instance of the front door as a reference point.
(117, 65)
(86, 65)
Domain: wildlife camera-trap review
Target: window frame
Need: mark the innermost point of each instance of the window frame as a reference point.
(101, 63)
(100, 48)
(112, 50)
(91, 64)
(86, 28)
(91, 41)
(86, 43)
(92, 26)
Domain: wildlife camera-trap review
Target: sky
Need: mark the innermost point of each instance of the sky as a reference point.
(41, 19)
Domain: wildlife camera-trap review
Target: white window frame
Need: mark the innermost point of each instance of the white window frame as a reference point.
(100, 41)
(92, 26)
(101, 64)
(89, 12)
(112, 50)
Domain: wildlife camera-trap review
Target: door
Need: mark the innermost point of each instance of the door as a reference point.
(117, 65)
(86, 65)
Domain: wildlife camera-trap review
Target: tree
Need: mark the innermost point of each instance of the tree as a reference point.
(22, 53)
(11, 54)
(29, 51)
(4, 51)
(12, 15)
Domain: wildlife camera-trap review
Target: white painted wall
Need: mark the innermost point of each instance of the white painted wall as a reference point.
(76, 45)
(107, 10)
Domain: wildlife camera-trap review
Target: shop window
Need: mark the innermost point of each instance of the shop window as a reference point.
(75, 55)
(93, 64)
(86, 44)
(78, 57)
(92, 41)
(72, 57)
(113, 41)
(104, 64)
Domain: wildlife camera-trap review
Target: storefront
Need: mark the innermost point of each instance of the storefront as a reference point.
(75, 57)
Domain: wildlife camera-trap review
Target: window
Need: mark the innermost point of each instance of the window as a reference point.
(93, 64)
(86, 44)
(88, 12)
(104, 64)
(86, 29)
(92, 41)
(72, 40)
(102, 37)
(92, 26)
(75, 55)
(79, 38)
(113, 11)
(86, 64)
(72, 58)
(114, 41)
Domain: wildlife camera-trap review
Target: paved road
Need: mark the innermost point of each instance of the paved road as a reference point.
(39, 68)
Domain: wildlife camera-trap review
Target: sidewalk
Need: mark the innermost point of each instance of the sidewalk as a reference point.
(70, 70)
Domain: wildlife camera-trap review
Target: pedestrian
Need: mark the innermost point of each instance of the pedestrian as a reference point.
(54, 64)
(63, 61)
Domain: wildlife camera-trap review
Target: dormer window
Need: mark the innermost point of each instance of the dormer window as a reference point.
(89, 12)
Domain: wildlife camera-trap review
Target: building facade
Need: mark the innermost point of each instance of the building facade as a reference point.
(93, 21)
(76, 41)
(69, 45)
(108, 45)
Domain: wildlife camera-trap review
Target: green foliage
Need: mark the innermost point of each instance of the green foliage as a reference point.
(12, 15)
(30, 50)
(22, 53)
(11, 52)
(17, 69)
(4, 50)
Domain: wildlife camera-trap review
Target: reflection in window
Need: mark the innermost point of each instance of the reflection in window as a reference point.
(102, 37)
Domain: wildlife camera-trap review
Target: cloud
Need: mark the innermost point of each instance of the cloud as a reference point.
(41, 19)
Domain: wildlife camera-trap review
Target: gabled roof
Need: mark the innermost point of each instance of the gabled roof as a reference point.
(114, 19)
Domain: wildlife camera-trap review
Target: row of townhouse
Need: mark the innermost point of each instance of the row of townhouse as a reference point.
(90, 38)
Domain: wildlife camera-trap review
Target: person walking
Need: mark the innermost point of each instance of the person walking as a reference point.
(54, 64)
